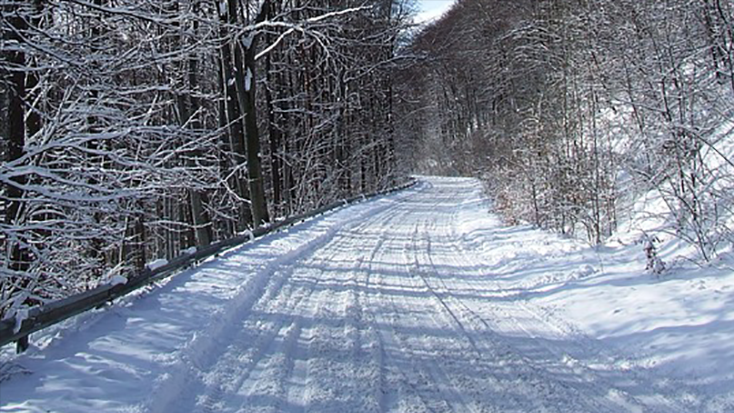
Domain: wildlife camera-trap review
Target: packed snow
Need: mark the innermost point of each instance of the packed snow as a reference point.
(420, 301)
(155, 264)
(117, 280)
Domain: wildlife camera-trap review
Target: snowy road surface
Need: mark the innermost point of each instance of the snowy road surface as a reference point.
(419, 301)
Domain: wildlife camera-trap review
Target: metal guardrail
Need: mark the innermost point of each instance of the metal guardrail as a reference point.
(47, 315)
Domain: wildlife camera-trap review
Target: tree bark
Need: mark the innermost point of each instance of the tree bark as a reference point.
(274, 138)
(16, 79)
(234, 120)
(244, 56)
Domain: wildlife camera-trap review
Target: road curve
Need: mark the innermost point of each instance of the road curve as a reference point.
(391, 305)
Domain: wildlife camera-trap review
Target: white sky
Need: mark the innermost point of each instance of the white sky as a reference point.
(431, 9)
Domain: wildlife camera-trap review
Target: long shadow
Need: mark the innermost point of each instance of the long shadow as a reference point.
(621, 377)
(508, 359)
(99, 339)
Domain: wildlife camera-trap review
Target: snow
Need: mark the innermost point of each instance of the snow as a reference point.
(155, 264)
(117, 280)
(189, 251)
(20, 316)
(430, 10)
(247, 40)
(248, 79)
(413, 302)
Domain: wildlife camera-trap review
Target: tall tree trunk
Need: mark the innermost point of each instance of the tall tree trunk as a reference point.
(244, 56)
(34, 122)
(234, 120)
(16, 80)
(200, 220)
(274, 137)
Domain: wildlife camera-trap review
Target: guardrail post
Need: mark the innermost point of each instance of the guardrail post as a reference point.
(22, 344)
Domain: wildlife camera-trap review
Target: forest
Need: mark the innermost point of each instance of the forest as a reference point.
(570, 110)
(133, 130)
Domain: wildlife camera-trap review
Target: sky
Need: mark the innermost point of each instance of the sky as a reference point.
(431, 9)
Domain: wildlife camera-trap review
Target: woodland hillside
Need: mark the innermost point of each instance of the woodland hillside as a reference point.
(133, 129)
(571, 109)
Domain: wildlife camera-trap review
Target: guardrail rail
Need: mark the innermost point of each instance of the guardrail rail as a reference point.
(47, 315)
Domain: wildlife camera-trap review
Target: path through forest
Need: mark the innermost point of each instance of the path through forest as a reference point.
(398, 304)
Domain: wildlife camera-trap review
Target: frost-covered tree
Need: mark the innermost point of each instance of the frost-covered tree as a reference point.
(554, 102)
(132, 130)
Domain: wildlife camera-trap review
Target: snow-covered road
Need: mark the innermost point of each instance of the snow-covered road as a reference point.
(417, 301)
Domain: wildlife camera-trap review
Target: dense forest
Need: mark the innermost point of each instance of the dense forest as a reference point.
(133, 130)
(569, 110)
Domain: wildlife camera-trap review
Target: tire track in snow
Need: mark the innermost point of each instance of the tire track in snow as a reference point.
(280, 379)
(480, 338)
(541, 390)
(469, 391)
(420, 380)
(382, 307)
(459, 391)
(209, 361)
(308, 370)
(387, 384)
(391, 310)
(282, 376)
(356, 362)
(609, 398)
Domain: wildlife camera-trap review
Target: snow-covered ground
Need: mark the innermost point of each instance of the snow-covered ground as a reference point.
(417, 301)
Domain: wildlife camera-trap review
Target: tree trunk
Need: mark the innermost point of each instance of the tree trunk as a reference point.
(244, 56)
(16, 80)
(200, 220)
(234, 120)
(275, 138)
